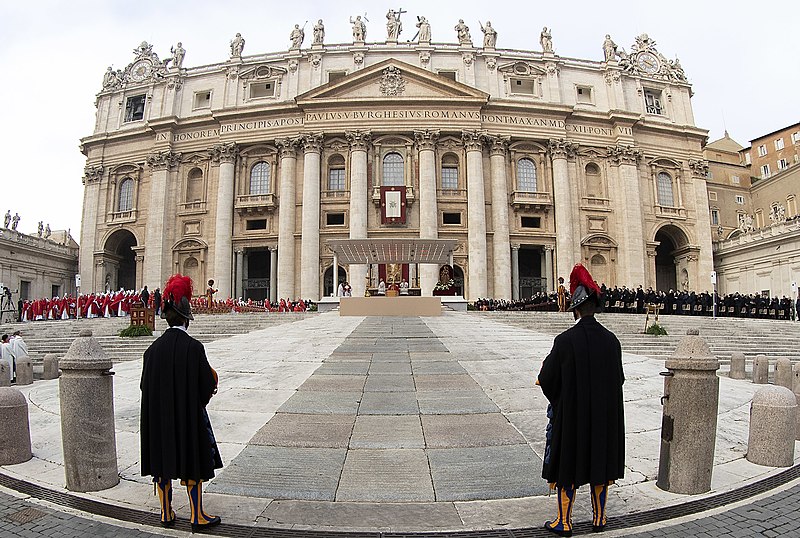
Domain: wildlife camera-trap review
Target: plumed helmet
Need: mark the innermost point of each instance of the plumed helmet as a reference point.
(177, 292)
(582, 287)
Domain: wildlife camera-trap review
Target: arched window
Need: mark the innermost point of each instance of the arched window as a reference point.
(666, 197)
(393, 172)
(125, 195)
(594, 181)
(259, 178)
(526, 175)
(336, 173)
(194, 185)
(449, 172)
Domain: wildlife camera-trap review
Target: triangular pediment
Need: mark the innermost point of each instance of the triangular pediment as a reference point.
(392, 80)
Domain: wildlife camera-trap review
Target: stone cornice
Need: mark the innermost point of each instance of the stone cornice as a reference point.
(163, 160)
(359, 140)
(426, 140)
(225, 153)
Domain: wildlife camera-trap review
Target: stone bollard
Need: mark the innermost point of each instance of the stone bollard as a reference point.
(783, 373)
(5, 374)
(796, 390)
(24, 370)
(50, 367)
(689, 422)
(15, 443)
(773, 424)
(86, 391)
(738, 366)
(761, 370)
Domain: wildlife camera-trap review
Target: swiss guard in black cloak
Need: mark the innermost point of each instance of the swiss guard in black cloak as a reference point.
(177, 384)
(582, 379)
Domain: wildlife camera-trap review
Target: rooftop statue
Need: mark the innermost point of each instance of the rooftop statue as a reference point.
(489, 35)
(319, 33)
(177, 55)
(393, 25)
(424, 33)
(609, 49)
(464, 38)
(237, 46)
(297, 36)
(546, 41)
(359, 28)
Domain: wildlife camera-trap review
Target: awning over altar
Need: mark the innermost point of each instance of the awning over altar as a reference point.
(360, 251)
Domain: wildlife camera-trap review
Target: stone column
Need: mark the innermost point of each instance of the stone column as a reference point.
(225, 155)
(160, 163)
(428, 211)
(286, 214)
(309, 249)
(703, 225)
(359, 195)
(548, 267)
(566, 229)
(500, 240)
(238, 289)
(92, 175)
(515, 272)
(476, 219)
(273, 274)
(632, 243)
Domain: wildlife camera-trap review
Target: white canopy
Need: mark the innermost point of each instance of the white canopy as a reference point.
(361, 251)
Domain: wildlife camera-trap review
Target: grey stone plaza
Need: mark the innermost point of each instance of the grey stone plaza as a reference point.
(390, 424)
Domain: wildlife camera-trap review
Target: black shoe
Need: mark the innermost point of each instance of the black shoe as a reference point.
(557, 531)
(213, 522)
(598, 528)
(169, 522)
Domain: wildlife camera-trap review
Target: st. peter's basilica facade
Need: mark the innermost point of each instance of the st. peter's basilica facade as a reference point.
(242, 171)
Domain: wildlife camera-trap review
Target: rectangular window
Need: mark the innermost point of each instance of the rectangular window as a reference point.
(449, 177)
(202, 99)
(134, 108)
(336, 75)
(762, 150)
(779, 144)
(524, 86)
(24, 289)
(740, 199)
(262, 89)
(256, 224)
(783, 163)
(336, 179)
(715, 216)
(795, 137)
(447, 74)
(56, 289)
(664, 186)
(765, 171)
(334, 219)
(451, 218)
(584, 94)
(712, 196)
(747, 158)
(735, 180)
(531, 222)
(652, 102)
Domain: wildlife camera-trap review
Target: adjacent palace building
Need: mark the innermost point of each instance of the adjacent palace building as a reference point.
(242, 171)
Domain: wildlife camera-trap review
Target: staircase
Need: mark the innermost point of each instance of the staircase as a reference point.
(45, 337)
(772, 338)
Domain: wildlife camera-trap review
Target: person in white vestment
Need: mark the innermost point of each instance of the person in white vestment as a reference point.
(382, 287)
(7, 356)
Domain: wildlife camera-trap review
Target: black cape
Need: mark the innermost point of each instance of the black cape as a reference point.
(582, 378)
(177, 383)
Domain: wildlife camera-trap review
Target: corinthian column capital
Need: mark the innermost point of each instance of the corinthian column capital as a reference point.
(498, 145)
(162, 160)
(473, 140)
(624, 155)
(561, 148)
(359, 140)
(287, 147)
(426, 140)
(312, 142)
(225, 153)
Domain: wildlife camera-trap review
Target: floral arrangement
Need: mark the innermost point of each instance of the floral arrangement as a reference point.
(444, 287)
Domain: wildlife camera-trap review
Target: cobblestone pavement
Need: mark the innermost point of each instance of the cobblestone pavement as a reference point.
(769, 517)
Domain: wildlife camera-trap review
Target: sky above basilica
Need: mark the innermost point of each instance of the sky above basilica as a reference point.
(740, 57)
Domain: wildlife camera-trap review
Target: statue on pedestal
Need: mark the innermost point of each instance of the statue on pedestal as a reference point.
(319, 33)
(237, 46)
(47, 231)
(464, 38)
(393, 25)
(15, 222)
(359, 29)
(40, 228)
(609, 49)
(177, 55)
(424, 33)
(546, 40)
(7, 219)
(297, 36)
(489, 35)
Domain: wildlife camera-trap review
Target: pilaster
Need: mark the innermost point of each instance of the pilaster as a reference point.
(286, 217)
(225, 155)
(498, 148)
(160, 164)
(560, 150)
(309, 253)
(428, 211)
(476, 219)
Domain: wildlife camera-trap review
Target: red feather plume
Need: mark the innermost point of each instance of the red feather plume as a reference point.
(581, 277)
(178, 286)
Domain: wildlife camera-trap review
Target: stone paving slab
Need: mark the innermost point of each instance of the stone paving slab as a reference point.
(432, 356)
(323, 403)
(298, 430)
(379, 431)
(455, 402)
(385, 475)
(474, 430)
(391, 357)
(432, 367)
(343, 368)
(389, 383)
(461, 474)
(445, 382)
(389, 403)
(282, 473)
(401, 368)
(334, 383)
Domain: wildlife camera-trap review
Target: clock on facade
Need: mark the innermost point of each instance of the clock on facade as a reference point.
(141, 70)
(647, 62)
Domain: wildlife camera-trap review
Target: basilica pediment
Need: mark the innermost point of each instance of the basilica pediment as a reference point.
(392, 80)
